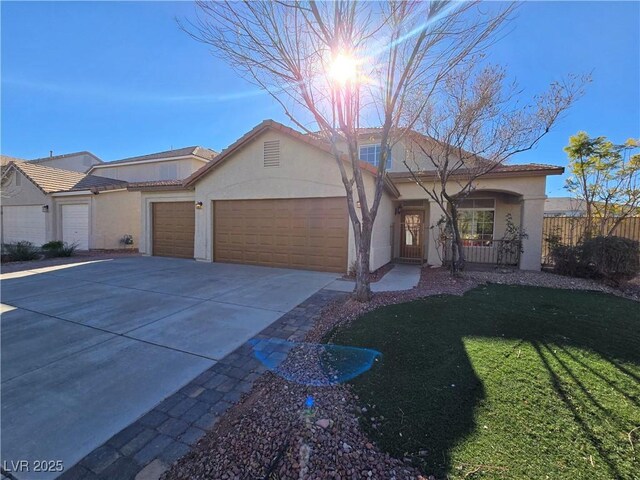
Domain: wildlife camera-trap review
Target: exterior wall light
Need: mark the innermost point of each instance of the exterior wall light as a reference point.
(45, 208)
(199, 205)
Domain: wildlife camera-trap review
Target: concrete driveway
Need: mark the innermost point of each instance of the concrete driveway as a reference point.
(89, 348)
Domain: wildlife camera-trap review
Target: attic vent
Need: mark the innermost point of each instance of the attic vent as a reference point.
(272, 153)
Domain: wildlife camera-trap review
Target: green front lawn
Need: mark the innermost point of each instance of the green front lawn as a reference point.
(506, 382)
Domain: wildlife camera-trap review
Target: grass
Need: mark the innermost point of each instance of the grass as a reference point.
(505, 382)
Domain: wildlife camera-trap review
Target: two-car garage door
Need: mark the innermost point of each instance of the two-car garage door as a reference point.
(306, 233)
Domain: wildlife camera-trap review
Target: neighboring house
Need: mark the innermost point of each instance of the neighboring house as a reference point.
(564, 207)
(41, 203)
(94, 209)
(170, 165)
(76, 162)
(275, 197)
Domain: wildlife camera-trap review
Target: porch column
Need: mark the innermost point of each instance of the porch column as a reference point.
(532, 220)
(433, 256)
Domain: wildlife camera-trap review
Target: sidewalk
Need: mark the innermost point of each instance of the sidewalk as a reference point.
(400, 277)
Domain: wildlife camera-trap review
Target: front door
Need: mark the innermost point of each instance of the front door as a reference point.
(411, 234)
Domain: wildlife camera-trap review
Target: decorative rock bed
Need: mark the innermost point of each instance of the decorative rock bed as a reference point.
(272, 434)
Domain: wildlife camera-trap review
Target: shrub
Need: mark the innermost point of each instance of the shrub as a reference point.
(57, 248)
(127, 239)
(569, 260)
(53, 245)
(610, 258)
(68, 250)
(20, 251)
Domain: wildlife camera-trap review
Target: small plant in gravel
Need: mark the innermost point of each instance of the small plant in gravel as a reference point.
(22, 251)
(68, 250)
(50, 248)
(57, 248)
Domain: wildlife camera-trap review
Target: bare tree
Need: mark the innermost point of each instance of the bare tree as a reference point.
(471, 127)
(336, 66)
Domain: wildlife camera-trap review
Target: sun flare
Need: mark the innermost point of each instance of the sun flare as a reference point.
(343, 69)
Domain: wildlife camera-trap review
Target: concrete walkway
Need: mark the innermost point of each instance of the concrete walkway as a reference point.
(400, 277)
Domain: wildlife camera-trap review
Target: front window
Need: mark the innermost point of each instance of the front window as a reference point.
(476, 221)
(371, 154)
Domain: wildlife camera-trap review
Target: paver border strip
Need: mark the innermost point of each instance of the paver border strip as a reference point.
(169, 430)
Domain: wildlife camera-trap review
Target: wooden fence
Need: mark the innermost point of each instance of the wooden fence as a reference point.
(569, 231)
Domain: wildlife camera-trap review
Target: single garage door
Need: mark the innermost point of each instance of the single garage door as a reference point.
(75, 225)
(24, 223)
(174, 226)
(307, 233)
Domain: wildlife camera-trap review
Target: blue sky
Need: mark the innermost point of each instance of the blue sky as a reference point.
(120, 79)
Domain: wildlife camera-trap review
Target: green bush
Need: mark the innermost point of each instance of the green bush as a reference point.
(612, 259)
(68, 250)
(20, 251)
(53, 245)
(57, 248)
(569, 260)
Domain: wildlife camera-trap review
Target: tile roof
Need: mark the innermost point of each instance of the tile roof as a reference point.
(157, 185)
(53, 180)
(502, 170)
(201, 152)
(5, 159)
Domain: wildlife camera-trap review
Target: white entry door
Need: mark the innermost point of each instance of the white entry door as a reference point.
(75, 225)
(25, 222)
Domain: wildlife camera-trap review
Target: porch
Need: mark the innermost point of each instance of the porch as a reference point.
(419, 234)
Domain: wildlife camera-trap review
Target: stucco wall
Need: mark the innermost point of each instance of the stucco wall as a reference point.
(76, 163)
(20, 191)
(150, 171)
(115, 214)
(304, 172)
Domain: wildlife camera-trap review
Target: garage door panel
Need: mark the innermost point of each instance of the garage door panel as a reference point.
(24, 222)
(173, 229)
(307, 233)
(75, 225)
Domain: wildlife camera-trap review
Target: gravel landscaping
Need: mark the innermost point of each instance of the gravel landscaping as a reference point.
(78, 257)
(272, 434)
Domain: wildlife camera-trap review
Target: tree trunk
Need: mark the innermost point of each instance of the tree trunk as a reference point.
(363, 285)
(456, 265)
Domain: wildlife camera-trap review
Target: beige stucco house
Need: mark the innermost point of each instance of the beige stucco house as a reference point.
(275, 197)
(96, 209)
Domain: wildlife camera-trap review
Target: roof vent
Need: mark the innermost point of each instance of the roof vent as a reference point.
(272, 153)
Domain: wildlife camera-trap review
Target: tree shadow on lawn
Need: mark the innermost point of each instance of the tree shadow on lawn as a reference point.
(549, 370)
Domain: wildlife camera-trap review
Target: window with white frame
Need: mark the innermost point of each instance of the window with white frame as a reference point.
(168, 171)
(477, 219)
(371, 154)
